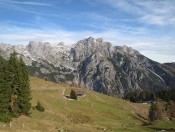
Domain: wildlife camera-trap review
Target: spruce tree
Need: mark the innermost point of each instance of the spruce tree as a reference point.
(152, 112)
(5, 91)
(19, 83)
(24, 93)
(15, 93)
(4, 88)
(156, 111)
(13, 80)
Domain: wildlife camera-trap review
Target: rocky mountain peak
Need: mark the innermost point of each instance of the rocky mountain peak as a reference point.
(94, 64)
(87, 47)
(129, 50)
(31, 43)
(37, 44)
(61, 44)
(90, 38)
(100, 40)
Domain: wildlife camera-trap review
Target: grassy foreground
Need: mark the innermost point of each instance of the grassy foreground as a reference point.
(93, 113)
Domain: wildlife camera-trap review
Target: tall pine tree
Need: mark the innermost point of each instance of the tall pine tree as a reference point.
(5, 89)
(24, 93)
(15, 93)
(13, 80)
(19, 83)
(152, 112)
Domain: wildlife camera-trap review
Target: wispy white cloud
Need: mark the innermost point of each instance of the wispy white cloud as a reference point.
(150, 47)
(96, 16)
(120, 30)
(147, 11)
(158, 20)
(29, 7)
(15, 34)
(153, 19)
(24, 3)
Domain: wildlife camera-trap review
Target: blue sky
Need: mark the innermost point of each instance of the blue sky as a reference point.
(146, 25)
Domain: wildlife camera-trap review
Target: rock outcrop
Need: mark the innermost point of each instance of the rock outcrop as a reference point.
(94, 64)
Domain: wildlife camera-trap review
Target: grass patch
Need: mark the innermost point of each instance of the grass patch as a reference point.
(93, 113)
(163, 125)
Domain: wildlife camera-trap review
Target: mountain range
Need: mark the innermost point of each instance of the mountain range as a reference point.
(94, 64)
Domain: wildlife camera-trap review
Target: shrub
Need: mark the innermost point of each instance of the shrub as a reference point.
(152, 112)
(39, 107)
(5, 118)
(170, 108)
(46, 79)
(73, 95)
(156, 111)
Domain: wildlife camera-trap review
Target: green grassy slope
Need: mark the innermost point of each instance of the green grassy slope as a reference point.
(93, 113)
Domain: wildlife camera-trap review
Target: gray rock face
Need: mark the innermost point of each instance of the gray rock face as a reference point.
(56, 54)
(94, 64)
(87, 47)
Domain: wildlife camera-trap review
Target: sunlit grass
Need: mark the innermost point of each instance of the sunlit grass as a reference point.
(94, 112)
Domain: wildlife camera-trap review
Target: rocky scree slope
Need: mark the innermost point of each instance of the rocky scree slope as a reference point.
(94, 64)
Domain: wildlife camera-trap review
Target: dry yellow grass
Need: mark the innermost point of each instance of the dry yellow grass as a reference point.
(93, 113)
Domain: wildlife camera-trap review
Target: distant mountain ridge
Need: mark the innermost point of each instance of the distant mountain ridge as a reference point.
(94, 64)
(170, 64)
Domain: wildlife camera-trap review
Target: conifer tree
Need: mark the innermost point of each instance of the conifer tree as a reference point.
(156, 111)
(153, 96)
(152, 112)
(13, 80)
(4, 89)
(73, 95)
(19, 83)
(24, 93)
(15, 94)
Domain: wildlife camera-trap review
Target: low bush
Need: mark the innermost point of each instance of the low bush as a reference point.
(73, 95)
(39, 107)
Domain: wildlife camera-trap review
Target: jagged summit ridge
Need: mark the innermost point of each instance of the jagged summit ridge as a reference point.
(94, 64)
(85, 48)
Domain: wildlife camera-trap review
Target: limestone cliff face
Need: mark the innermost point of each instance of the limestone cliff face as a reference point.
(94, 64)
